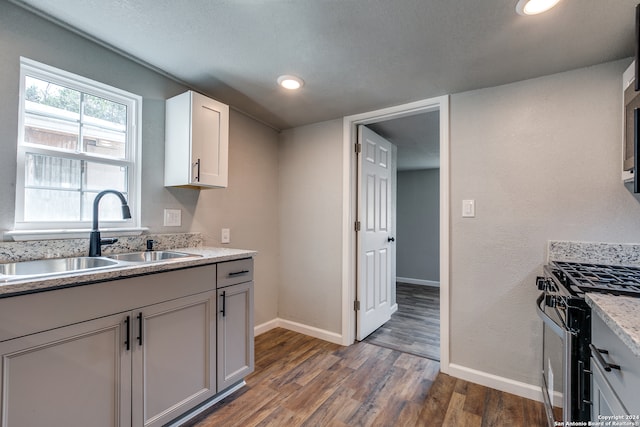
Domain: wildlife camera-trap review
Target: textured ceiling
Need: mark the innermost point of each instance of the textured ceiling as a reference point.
(354, 55)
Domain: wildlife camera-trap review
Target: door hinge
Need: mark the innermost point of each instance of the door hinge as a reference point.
(356, 305)
(357, 226)
(358, 148)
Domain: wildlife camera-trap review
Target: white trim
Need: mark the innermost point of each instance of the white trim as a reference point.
(393, 308)
(133, 156)
(519, 388)
(300, 328)
(441, 104)
(265, 327)
(421, 282)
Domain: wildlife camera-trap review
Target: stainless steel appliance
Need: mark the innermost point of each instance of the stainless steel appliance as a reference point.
(631, 124)
(566, 374)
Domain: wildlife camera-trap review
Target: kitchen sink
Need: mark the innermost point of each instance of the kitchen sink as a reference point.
(46, 267)
(150, 256)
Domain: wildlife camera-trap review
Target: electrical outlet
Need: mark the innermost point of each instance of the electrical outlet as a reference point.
(172, 217)
(225, 235)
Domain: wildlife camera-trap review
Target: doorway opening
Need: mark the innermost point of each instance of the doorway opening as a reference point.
(437, 108)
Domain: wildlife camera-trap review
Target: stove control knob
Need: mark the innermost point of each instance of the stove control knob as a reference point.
(541, 282)
(550, 300)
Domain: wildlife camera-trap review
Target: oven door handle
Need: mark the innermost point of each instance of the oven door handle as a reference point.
(558, 329)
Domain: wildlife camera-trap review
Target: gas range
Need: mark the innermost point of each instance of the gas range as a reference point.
(579, 278)
(566, 335)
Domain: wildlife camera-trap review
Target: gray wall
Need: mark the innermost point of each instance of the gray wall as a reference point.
(310, 184)
(249, 206)
(542, 160)
(418, 225)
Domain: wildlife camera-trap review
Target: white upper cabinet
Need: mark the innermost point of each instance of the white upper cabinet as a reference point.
(196, 142)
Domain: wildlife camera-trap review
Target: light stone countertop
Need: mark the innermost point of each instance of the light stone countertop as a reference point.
(207, 255)
(621, 314)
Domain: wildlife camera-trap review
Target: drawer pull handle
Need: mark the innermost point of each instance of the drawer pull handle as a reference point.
(597, 353)
(139, 328)
(126, 341)
(197, 164)
(224, 303)
(238, 273)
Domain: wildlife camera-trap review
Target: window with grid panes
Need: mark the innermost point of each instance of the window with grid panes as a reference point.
(77, 137)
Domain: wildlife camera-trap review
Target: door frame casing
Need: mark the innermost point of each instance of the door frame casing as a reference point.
(349, 212)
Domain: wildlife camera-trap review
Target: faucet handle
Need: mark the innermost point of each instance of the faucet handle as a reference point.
(150, 244)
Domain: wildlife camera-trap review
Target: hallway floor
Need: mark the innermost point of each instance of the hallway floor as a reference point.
(415, 327)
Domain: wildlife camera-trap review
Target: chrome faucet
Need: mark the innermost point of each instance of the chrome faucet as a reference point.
(95, 242)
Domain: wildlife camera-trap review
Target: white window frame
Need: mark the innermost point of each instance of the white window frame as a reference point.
(26, 230)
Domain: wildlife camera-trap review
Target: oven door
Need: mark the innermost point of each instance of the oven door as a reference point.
(556, 361)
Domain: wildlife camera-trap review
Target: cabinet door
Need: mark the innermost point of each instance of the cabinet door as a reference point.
(78, 375)
(604, 400)
(173, 358)
(235, 334)
(209, 141)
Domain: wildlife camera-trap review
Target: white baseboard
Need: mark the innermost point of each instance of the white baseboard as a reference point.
(300, 328)
(507, 385)
(418, 281)
(264, 327)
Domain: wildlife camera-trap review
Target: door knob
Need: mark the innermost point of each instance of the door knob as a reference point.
(391, 239)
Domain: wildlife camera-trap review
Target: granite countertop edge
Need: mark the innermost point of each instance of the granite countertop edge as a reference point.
(621, 315)
(206, 255)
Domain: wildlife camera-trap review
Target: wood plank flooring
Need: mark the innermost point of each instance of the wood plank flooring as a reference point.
(304, 381)
(415, 327)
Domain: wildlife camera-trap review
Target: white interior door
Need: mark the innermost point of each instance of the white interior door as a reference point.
(374, 214)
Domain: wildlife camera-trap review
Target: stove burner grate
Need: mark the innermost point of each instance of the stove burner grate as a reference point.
(614, 279)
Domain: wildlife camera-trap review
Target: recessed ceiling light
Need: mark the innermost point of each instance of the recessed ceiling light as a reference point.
(290, 82)
(534, 7)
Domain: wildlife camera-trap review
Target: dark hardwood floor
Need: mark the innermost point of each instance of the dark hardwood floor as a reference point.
(304, 381)
(415, 327)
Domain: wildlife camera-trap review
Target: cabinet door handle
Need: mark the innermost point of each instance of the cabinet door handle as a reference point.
(127, 346)
(139, 328)
(197, 165)
(237, 273)
(597, 353)
(224, 303)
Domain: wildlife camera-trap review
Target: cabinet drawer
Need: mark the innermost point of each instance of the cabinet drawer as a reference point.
(234, 272)
(625, 381)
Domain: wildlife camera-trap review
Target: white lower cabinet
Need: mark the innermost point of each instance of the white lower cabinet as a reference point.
(174, 358)
(142, 368)
(604, 400)
(78, 375)
(138, 367)
(235, 334)
(616, 377)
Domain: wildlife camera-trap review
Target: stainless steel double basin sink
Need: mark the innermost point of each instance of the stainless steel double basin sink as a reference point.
(56, 266)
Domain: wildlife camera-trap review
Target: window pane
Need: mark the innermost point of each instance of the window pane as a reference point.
(105, 113)
(52, 172)
(104, 142)
(101, 177)
(110, 207)
(51, 99)
(51, 132)
(51, 205)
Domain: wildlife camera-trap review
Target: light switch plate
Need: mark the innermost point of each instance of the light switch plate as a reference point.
(172, 217)
(225, 236)
(468, 208)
